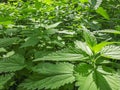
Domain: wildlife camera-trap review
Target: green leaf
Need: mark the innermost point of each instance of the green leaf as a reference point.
(52, 25)
(59, 68)
(89, 37)
(12, 63)
(83, 46)
(111, 51)
(9, 54)
(64, 55)
(102, 12)
(83, 68)
(4, 79)
(7, 41)
(51, 31)
(51, 82)
(97, 48)
(3, 50)
(98, 81)
(86, 82)
(83, 1)
(109, 31)
(98, 3)
(95, 3)
(49, 2)
(113, 81)
(32, 41)
(57, 75)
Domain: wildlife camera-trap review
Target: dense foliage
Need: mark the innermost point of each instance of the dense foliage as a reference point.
(59, 45)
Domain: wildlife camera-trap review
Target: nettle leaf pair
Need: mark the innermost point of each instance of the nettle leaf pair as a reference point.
(88, 65)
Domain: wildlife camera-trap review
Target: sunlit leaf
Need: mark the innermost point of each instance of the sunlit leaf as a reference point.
(103, 12)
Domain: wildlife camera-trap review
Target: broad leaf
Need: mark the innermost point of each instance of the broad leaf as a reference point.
(83, 68)
(111, 51)
(7, 41)
(57, 75)
(32, 41)
(52, 25)
(4, 79)
(98, 81)
(51, 31)
(97, 48)
(83, 1)
(102, 12)
(12, 63)
(89, 37)
(84, 47)
(64, 55)
(52, 69)
(3, 50)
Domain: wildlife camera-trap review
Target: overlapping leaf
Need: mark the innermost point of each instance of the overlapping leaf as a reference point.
(56, 75)
(97, 48)
(7, 41)
(53, 69)
(64, 55)
(32, 41)
(4, 79)
(84, 47)
(12, 63)
(98, 81)
(89, 37)
(111, 51)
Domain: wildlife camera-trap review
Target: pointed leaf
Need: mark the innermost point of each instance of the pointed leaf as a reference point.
(64, 55)
(4, 79)
(83, 46)
(12, 63)
(97, 48)
(89, 37)
(57, 75)
(102, 12)
(30, 42)
(59, 68)
(52, 25)
(98, 81)
(7, 41)
(109, 31)
(111, 51)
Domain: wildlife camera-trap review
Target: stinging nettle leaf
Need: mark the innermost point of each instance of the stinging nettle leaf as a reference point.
(98, 81)
(83, 1)
(32, 41)
(97, 48)
(89, 37)
(51, 82)
(83, 46)
(4, 79)
(64, 55)
(52, 25)
(57, 75)
(59, 68)
(13, 63)
(111, 51)
(102, 12)
(4, 42)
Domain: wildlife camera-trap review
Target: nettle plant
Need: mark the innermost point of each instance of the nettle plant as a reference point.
(87, 65)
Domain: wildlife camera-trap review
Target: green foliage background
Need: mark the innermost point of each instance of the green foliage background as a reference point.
(59, 45)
